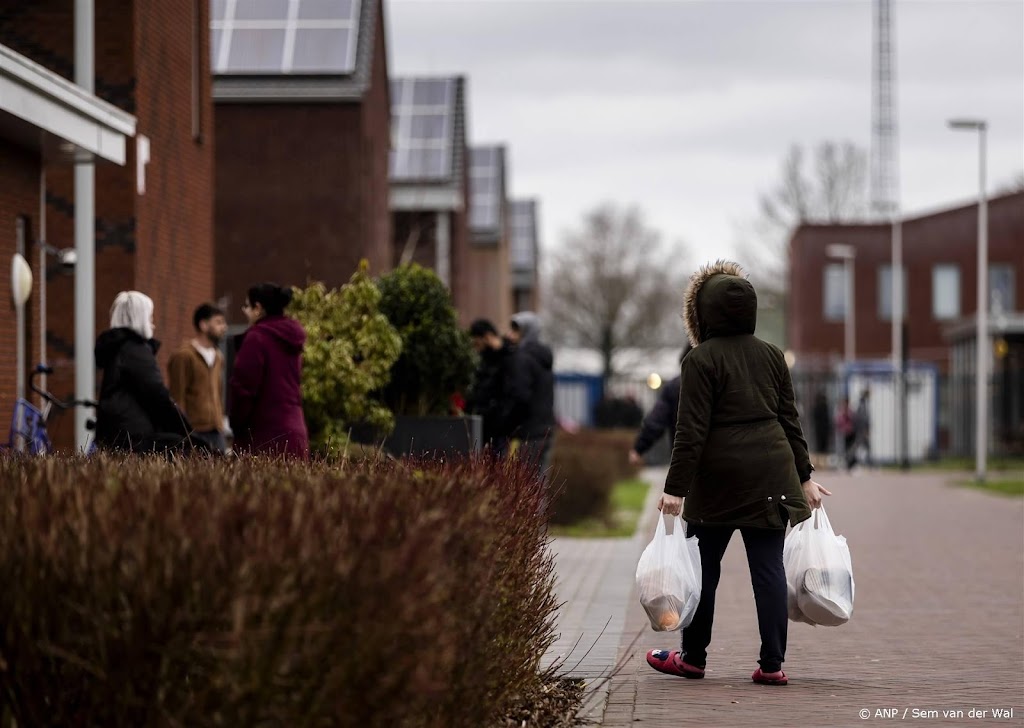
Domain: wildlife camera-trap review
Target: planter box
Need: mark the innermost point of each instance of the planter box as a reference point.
(425, 436)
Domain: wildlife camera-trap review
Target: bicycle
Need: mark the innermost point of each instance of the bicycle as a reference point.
(28, 424)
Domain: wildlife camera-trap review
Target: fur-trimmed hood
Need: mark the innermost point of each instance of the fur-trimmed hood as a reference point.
(719, 301)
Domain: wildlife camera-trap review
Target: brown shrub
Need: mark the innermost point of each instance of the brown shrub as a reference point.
(585, 466)
(141, 592)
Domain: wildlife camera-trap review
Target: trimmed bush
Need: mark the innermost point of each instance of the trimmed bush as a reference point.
(437, 358)
(585, 466)
(257, 593)
(349, 352)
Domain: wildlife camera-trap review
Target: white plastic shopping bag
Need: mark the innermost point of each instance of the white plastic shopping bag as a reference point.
(819, 573)
(668, 577)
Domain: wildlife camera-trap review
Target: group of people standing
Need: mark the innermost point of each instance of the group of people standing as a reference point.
(138, 412)
(514, 388)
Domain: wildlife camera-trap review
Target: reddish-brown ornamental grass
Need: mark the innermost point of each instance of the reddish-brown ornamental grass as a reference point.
(246, 593)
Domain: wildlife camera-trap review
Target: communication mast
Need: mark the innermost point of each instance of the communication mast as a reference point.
(885, 204)
(884, 159)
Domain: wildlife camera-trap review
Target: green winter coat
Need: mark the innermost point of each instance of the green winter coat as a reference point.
(739, 456)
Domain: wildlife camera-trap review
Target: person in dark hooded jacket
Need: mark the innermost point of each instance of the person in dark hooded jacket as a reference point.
(135, 411)
(661, 418)
(492, 382)
(532, 416)
(740, 461)
(266, 393)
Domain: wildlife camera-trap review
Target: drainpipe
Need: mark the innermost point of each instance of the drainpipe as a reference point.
(42, 278)
(443, 252)
(85, 234)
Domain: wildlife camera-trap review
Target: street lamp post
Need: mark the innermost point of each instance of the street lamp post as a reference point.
(847, 253)
(982, 335)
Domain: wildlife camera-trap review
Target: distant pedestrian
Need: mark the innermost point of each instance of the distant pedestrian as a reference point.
(661, 418)
(266, 381)
(196, 376)
(822, 419)
(135, 412)
(492, 394)
(740, 462)
(847, 429)
(532, 415)
(862, 425)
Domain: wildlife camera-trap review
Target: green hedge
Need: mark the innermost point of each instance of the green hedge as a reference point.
(254, 593)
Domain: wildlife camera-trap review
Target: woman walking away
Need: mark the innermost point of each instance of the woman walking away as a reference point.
(266, 395)
(135, 412)
(739, 460)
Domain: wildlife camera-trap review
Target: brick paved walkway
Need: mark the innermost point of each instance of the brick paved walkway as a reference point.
(940, 582)
(595, 586)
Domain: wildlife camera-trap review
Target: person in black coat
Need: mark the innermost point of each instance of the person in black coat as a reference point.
(135, 412)
(661, 418)
(491, 396)
(822, 418)
(532, 417)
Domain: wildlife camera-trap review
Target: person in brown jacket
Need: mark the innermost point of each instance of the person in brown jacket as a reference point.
(196, 377)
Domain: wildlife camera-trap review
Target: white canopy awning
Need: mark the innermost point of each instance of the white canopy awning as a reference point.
(46, 111)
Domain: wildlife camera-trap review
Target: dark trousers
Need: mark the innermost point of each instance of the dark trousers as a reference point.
(768, 577)
(851, 450)
(537, 454)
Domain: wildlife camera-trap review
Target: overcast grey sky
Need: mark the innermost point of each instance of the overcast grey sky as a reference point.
(686, 108)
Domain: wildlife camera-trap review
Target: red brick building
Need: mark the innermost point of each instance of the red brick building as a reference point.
(302, 128)
(488, 260)
(524, 226)
(154, 214)
(940, 257)
(429, 180)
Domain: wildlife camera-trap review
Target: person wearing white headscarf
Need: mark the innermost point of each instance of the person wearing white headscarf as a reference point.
(135, 411)
(133, 310)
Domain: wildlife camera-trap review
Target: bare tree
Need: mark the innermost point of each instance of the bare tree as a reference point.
(833, 190)
(613, 284)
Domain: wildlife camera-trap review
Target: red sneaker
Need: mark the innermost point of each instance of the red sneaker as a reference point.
(671, 663)
(769, 678)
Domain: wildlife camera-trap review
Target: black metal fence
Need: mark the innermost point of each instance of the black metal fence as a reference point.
(939, 409)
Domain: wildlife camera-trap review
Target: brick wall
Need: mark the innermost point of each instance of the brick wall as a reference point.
(289, 196)
(174, 238)
(487, 284)
(19, 186)
(159, 243)
(948, 237)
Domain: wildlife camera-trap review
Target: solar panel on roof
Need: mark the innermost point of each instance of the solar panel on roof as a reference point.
(327, 9)
(485, 189)
(522, 224)
(422, 119)
(266, 37)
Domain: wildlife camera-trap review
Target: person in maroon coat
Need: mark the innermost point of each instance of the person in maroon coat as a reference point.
(266, 395)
